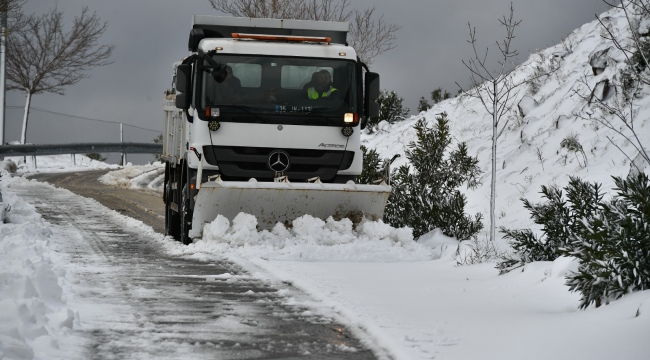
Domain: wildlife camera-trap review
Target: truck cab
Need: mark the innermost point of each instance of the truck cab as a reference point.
(265, 99)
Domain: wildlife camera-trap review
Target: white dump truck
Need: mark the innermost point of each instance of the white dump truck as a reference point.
(264, 117)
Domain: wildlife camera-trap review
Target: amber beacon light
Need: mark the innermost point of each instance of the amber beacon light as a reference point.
(282, 38)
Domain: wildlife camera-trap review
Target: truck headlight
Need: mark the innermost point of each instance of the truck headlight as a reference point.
(212, 112)
(350, 118)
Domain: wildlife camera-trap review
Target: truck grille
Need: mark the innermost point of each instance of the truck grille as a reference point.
(239, 163)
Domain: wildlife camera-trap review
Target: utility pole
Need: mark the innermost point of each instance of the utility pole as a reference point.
(122, 141)
(3, 74)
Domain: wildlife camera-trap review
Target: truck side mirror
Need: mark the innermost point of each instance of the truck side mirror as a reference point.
(372, 94)
(220, 74)
(184, 86)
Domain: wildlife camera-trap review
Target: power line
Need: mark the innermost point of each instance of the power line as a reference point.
(84, 118)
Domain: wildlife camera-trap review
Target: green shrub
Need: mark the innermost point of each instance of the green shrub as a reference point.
(559, 218)
(439, 95)
(373, 168)
(611, 239)
(423, 105)
(96, 156)
(614, 246)
(426, 196)
(390, 109)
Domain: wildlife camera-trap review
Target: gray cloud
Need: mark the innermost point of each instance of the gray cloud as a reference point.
(151, 34)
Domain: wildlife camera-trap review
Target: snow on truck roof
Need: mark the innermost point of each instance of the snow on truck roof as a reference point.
(224, 27)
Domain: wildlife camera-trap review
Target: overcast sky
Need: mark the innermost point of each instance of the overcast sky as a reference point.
(150, 35)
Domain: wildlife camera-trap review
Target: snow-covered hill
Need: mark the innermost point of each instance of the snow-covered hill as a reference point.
(529, 153)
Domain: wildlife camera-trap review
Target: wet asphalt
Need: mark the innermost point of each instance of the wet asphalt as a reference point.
(137, 302)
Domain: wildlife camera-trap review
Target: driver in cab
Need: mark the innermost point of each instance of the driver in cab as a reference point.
(322, 86)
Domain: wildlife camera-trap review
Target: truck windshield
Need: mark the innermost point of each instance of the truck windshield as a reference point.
(284, 87)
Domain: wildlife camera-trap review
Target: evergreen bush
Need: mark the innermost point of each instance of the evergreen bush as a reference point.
(423, 105)
(630, 76)
(560, 219)
(611, 239)
(373, 168)
(614, 246)
(96, 156)
(390, 109)
(426, 197)
(439, 95)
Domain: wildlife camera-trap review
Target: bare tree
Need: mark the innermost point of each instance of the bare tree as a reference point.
(615, 98)
(42, 57)
(10, 11)
(496, 90)
(370, 34)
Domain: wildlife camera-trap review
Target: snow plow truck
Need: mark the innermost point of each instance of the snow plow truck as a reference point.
(264, 117)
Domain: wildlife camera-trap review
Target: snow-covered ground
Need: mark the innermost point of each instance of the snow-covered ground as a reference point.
(35, 319)
(151, 177)
(410, 298)
(55, 163)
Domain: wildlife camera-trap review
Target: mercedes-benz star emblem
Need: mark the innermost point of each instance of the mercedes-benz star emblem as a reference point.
(278, 161)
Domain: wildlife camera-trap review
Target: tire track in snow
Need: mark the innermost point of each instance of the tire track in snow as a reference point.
(136, 302)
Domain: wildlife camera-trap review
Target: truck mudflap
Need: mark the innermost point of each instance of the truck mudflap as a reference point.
(273, 202)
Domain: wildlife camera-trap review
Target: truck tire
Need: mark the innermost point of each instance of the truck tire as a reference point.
(172, 218)
(185, 217)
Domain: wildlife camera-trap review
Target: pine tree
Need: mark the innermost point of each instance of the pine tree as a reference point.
(426, 196)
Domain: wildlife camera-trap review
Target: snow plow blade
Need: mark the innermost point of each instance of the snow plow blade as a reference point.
(283, 202)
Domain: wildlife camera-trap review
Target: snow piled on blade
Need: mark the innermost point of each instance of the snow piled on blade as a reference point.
(34, 315)
(311, 239)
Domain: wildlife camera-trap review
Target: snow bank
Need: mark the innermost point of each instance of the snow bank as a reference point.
(309, 239)
(58, 163)
(149, 177)
(433, 309)
(33, 312)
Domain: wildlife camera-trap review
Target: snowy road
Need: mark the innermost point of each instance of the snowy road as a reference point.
(136, 302)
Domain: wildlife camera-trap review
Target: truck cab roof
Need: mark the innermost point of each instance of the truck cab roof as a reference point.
(278, 48)
(223, 27)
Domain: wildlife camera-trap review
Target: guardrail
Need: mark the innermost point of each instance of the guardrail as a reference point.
(80, 148)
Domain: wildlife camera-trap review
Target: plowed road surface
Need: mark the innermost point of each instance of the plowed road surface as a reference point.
(136, 302)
